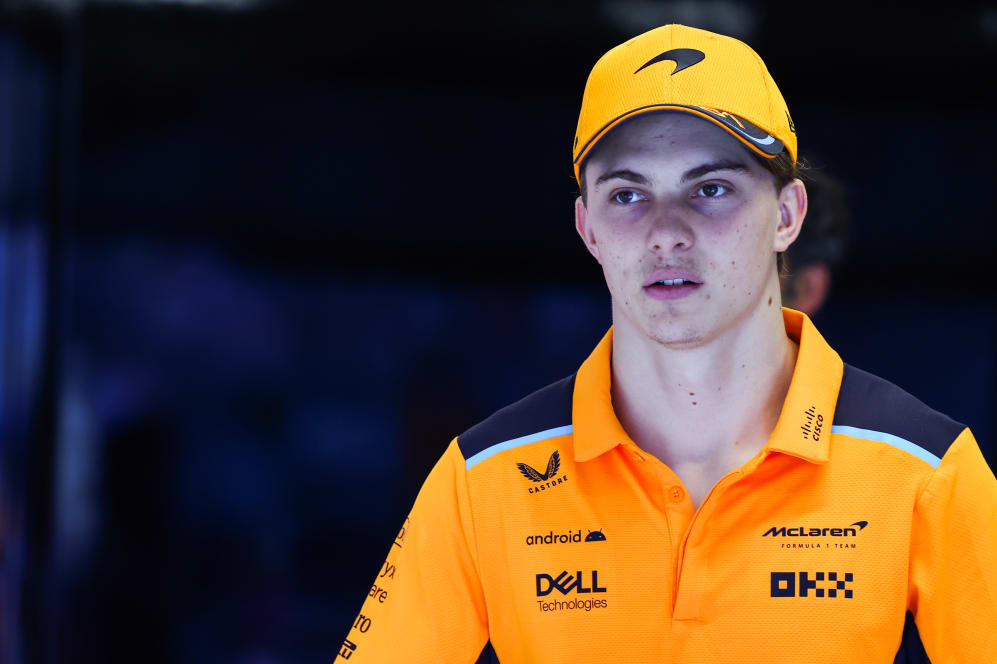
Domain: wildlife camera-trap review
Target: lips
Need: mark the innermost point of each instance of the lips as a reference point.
(672, 284)
(672, 277)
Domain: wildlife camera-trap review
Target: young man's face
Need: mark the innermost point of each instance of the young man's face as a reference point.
(670, 196)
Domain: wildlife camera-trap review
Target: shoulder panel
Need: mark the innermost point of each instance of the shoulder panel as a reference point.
(873, 408)
(544, 414)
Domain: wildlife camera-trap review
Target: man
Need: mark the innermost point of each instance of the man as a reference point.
(713, 484)
(819, 249)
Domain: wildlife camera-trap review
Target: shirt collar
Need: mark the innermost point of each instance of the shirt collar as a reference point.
(804, 426)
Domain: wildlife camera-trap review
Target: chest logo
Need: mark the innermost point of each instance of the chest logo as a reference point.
(546, 480)
(586, 597)
(531, 473)
(800, 584)
(802, 531)
(569, 537)
(565, 583)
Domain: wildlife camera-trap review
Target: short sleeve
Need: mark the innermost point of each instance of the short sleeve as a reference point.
(426, 604)
(953, 568)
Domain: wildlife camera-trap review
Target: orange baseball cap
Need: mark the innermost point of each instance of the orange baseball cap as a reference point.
(678, 68)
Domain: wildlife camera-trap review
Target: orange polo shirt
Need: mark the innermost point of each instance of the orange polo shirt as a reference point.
(546, 530)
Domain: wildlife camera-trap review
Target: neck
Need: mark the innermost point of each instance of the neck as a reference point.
(717, 400)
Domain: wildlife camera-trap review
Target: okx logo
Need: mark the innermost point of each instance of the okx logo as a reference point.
(800, 584)
(565, 583)
(546, 480)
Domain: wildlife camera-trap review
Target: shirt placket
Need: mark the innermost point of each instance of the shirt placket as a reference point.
(678, 514)
(689, 529)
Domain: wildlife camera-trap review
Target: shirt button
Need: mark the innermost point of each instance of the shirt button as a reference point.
(675, 494)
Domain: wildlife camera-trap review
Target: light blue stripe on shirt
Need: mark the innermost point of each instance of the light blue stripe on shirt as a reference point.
(889, 439)
(516, 442)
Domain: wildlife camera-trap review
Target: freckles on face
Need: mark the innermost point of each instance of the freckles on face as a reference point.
(672, 192)
(740, 255)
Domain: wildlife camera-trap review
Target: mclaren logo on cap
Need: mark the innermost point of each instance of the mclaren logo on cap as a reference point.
(682, 57)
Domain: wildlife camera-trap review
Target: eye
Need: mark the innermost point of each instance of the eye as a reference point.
(627, 197)
(712, 190)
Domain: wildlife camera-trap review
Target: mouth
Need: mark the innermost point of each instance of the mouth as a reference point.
(674, 282)
(671, 289)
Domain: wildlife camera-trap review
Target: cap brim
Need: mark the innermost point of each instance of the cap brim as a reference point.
(753, 137)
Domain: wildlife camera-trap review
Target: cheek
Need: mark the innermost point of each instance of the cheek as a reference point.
(621, 250)
(756, 230)
(736, 238)
(742, 255)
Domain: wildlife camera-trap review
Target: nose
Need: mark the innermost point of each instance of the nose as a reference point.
(669, 232)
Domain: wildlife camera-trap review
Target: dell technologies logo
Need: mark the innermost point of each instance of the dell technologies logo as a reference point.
(565, 583)
(566, 538)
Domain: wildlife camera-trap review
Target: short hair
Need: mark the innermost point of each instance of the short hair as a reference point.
(824, 237)
(782, 167)
(784, 170)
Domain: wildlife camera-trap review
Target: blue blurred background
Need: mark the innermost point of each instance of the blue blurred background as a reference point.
(260, 262)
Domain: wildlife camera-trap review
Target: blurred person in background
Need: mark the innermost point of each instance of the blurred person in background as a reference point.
(819, 250)
(808, 272)
(713, 480)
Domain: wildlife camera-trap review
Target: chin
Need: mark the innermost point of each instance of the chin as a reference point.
(675, 335)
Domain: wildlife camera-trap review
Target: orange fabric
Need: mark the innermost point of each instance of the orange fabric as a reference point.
(953, 576)
(729, 79)
(426, 603)
(812, 551)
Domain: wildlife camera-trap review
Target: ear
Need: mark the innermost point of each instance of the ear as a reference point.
(584, 229)
(792, 210)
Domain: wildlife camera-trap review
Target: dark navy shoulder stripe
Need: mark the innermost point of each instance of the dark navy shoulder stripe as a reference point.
(544, 414)
(870, 407)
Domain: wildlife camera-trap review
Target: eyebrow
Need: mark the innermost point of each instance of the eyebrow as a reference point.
(691, 174)
(700, 171)
(622, 174)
